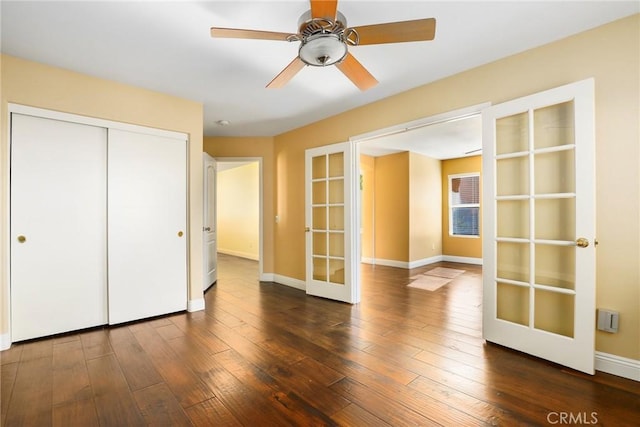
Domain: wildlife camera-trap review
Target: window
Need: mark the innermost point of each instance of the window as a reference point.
(464, 205)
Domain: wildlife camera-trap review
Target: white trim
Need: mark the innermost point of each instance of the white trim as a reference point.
(421, 262)
(239, 254)
(261, 218)
(617, 365)
(425, 261)
(386, 262)
(93, 121)
(462, 259)
(288, 281)
(448, 116)
(267, 277)
(5, 341)
(195, 305)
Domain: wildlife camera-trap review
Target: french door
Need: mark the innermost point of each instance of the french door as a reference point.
(329, 207)
(539, 225)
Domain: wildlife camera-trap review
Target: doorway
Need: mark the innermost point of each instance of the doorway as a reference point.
(239, 210)
(404, 204)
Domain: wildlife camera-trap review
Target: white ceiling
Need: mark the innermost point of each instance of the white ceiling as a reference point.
(166, 46)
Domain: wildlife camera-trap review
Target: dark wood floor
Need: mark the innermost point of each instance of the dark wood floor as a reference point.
(268, 355)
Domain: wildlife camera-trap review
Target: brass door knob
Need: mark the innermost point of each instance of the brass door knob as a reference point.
(180, 233)
(582, 242)
(22, 239)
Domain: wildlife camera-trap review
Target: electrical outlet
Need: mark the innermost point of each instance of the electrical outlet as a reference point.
(608, 320)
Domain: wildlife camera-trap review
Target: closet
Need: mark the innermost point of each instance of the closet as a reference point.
(98, 223)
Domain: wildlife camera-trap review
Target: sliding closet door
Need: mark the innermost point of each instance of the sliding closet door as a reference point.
(147, 224)
(58, 227)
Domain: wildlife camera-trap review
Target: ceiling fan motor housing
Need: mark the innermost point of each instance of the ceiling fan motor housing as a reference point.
(323, 40)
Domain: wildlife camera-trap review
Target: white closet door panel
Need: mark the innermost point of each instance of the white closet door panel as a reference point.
(147, 225)
(58, 206)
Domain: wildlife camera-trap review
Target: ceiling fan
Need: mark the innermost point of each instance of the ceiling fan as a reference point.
(324, 39)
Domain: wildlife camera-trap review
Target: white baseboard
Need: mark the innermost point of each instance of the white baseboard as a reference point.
(617, 365)
(462, 259)
(267, 277)
(402, 264)
(288, 281)
(195, 305)
(386, 262)
(5, 341)
(425, 261)
(247, 255)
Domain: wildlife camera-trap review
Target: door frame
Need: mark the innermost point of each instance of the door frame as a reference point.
(261, 276)
(357, 140)
(5, 302)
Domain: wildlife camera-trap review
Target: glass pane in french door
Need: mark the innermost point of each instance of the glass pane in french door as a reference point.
(535, 217)
(327, 220)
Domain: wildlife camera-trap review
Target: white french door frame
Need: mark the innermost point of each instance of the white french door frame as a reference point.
(261, 276)
(577, 351)
(12, 108)
(351, 225)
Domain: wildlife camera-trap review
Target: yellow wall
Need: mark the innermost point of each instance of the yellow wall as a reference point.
(238, 211)
(367, 197)
(392, 207)
(425, 208)
(610, 54)
(225, 147)
(38, 85)
(452, 245)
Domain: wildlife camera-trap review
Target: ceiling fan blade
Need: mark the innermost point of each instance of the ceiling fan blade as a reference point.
(324, 9)
(287, 74)
(397, 32)
(357, 73)
(235, 33)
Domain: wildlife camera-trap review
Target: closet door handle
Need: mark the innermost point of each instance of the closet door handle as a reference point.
(21, 239)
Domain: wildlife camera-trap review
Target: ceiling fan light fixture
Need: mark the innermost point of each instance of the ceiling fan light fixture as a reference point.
(322, 49)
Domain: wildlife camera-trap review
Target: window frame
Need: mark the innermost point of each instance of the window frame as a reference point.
(450, 192)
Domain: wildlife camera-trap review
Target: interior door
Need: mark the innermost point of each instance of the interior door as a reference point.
(147, 225)
(539, 225)
(329, 201)
(209, 222)
(58, 226)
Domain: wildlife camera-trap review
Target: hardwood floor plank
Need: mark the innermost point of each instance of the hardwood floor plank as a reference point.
(182, 381)
(133, 360)
(113, 399)
(12, 355)
(8, 374)
(248, 406)
(95, 343)
(160, 407)
(75, 413)
(30, 403)
(36, 349)
(211, 412)
(354, 415)
(292, 408)
(70, 375)
(390, 411)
